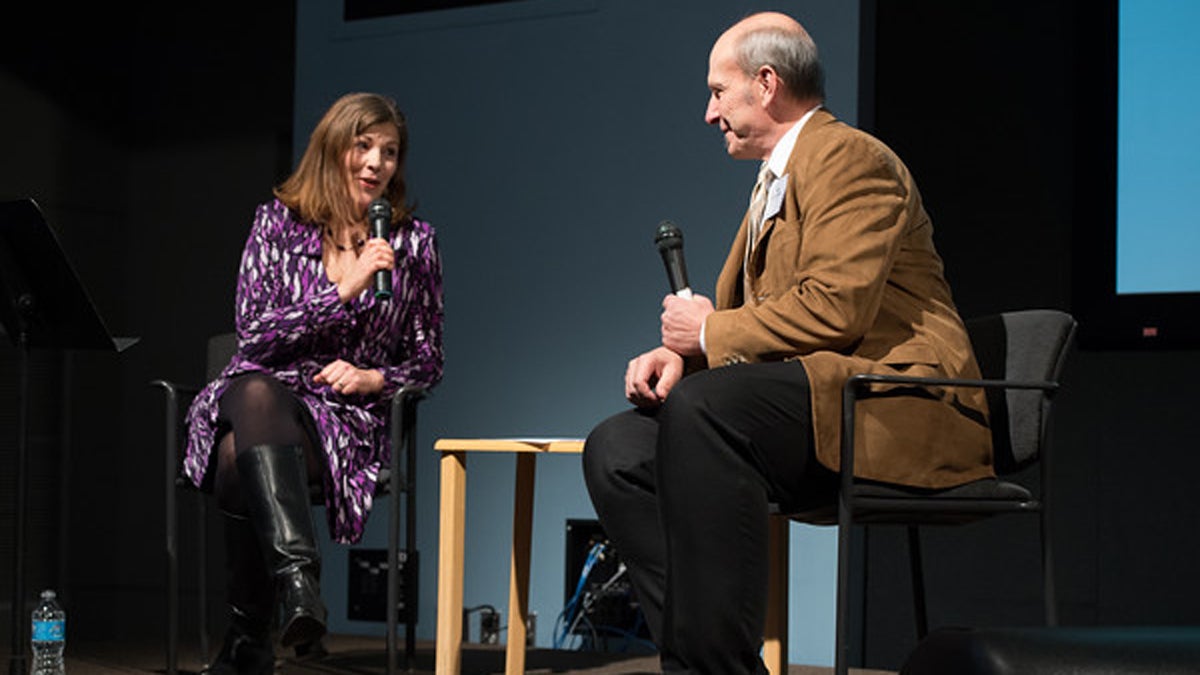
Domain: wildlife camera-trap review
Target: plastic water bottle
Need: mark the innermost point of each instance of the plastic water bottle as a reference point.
(49, 636)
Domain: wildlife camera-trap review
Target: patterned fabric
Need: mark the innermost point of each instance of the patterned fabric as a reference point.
(291, 324)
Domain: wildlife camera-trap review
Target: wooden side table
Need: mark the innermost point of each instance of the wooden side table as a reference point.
(452, 523)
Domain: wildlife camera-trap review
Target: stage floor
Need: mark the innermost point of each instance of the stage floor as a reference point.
(366, 656)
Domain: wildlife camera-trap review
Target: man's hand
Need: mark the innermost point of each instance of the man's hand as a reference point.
(650, 376)
(346, 379)
(682, 319)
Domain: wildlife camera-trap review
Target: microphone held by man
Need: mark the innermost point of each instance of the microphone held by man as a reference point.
(683, 312)
(669, 240)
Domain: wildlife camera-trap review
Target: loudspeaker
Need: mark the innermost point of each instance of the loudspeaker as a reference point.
(367, 587)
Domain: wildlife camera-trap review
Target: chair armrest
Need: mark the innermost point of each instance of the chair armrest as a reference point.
(409, 393)
(177, 398)
(176, 392)
(865, 380)
(859, 385)
(402, 428)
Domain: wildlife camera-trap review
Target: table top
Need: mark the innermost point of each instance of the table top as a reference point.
(556, 445)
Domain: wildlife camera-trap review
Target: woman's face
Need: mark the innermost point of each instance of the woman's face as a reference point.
(371, 162)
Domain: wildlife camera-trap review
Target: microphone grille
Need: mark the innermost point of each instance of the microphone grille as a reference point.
(379, 208)
(668, 236)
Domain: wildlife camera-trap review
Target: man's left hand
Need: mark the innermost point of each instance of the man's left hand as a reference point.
(682, 319)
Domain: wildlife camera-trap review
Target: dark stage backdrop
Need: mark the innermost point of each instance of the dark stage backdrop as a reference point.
(147, 132)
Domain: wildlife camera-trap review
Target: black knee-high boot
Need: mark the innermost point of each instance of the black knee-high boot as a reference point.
(247, 646)
(275, 486)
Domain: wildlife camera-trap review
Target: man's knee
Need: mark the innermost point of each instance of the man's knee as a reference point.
(620, 445)
(601, 449)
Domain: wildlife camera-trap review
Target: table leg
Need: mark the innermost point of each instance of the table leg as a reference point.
(518, 589)
(775, 635)
(452, 526)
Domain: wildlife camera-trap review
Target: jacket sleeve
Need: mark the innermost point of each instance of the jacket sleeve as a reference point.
(276, 317)
(419, 355)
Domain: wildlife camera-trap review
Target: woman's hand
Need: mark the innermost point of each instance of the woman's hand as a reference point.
(377, 254)
(346, 379)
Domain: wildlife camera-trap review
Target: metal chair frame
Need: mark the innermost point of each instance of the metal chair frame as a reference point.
(860, 502)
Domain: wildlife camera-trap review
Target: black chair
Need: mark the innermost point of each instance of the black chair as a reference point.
(395, 480)
(1020, 355)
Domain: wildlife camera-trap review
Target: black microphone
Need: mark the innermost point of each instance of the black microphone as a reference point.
(379, 213)
(669, 240)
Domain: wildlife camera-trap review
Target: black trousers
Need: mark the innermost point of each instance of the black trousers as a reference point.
(683, 492)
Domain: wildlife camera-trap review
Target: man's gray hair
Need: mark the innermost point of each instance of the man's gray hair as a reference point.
(792, 54)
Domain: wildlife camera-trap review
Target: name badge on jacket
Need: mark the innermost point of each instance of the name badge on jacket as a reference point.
(775, 197)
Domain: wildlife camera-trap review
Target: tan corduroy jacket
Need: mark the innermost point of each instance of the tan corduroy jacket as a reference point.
(845, 277)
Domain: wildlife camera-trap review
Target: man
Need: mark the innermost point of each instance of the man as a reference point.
(832, 272)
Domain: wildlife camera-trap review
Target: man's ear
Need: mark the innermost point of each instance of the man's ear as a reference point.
(766, 80)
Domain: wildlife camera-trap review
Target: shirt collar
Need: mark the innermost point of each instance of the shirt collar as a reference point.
(777, 162)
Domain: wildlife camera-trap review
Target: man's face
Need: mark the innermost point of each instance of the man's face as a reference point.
(735, 105)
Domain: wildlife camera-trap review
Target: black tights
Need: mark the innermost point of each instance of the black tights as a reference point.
(256, 409)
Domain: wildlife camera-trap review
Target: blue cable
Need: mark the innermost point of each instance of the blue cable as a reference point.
(568, 611)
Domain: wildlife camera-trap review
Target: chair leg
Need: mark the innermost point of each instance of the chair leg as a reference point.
(403, 430)
(841, 655)
(409, 426)
(1049, 593)
(921, 613)
(393, 582)
(202, 577)
(861, 546)
(171, 464)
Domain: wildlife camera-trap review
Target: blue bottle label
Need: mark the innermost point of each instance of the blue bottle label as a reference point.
(49, 631)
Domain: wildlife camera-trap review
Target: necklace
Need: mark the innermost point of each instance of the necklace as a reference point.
(358, 243)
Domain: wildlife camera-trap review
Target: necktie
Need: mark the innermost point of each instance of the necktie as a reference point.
(758, 203)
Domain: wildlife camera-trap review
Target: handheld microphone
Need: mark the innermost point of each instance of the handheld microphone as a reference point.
(669, 240)
(379, 214)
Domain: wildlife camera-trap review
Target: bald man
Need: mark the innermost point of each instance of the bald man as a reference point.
(832, 272)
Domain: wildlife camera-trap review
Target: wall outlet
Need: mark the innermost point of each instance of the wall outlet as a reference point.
(489, 627)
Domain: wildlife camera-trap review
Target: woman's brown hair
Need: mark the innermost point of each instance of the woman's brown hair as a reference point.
(317, 190)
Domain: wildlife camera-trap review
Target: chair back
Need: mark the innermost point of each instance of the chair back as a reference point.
(221, 348)
(1022, 346)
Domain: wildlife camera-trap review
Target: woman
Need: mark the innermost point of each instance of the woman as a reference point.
(304, 399)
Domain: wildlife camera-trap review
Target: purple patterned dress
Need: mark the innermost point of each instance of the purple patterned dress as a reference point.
(291, 324)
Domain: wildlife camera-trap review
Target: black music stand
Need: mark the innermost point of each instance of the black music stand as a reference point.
(42, 304)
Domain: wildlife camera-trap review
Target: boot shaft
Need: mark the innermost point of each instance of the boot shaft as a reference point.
(274, 482)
